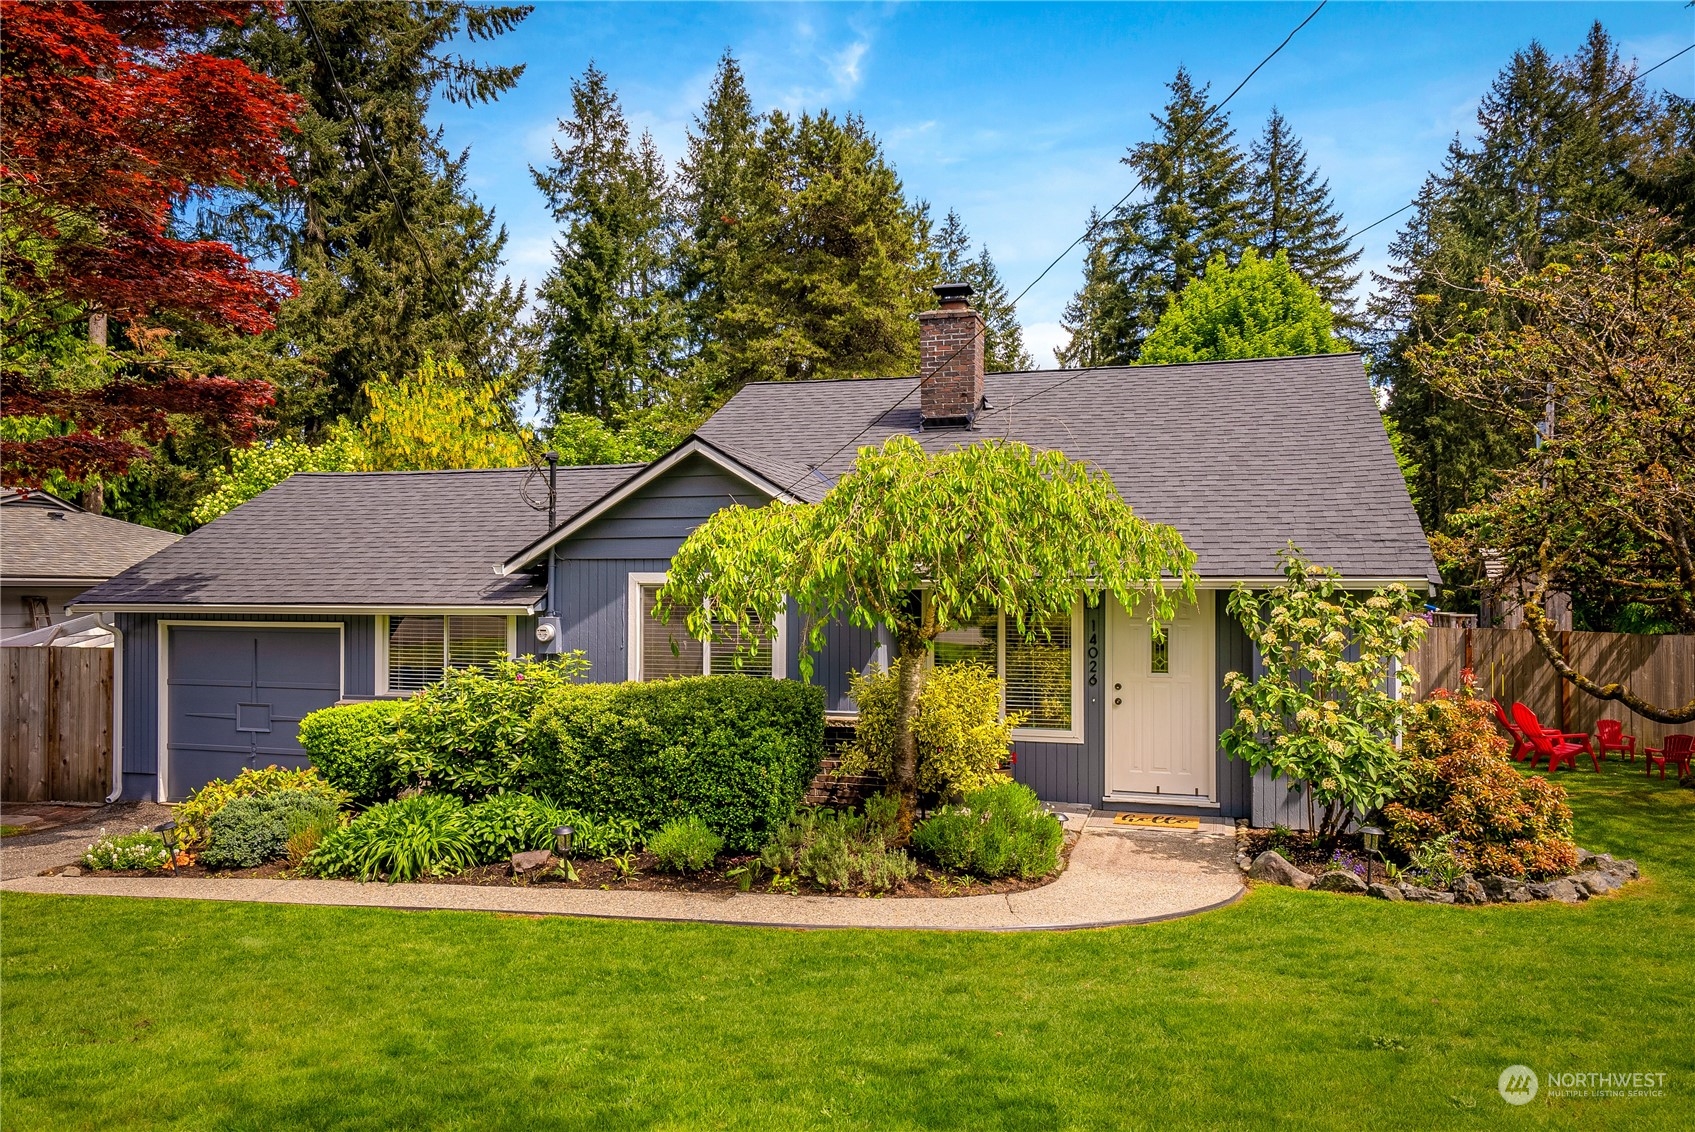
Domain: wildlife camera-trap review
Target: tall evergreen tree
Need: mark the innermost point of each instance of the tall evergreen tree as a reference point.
(1003, 337)
(1290, 211)
(1558, 143)
(718, 196)
(830, 260)
(1193, 208)
(610, 318)
(396, 260)
(1099, 303)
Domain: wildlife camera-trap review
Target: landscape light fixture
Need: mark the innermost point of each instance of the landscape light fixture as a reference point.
(562, 837)
(168, 831)
(1371, 837)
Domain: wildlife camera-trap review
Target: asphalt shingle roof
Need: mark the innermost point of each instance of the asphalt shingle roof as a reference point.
(1242, 457)
(42, 538)
(381, 539)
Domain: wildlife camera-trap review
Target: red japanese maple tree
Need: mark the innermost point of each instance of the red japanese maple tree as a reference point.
(113, 115)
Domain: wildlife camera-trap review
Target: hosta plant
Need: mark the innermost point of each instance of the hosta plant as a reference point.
(424, 835)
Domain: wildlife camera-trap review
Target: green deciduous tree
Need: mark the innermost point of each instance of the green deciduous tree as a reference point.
(1291, 212)
(1314, 714)
(1258, 309)
(433, 418)
(993, 526)
(610, 317)
(1601, 371)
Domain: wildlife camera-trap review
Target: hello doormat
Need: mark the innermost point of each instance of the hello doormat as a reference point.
(1157, 821)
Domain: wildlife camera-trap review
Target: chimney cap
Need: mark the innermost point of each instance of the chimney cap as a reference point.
(950, 293)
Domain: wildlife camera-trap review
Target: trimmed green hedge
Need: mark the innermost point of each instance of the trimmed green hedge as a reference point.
(737, 752)
(353, 747)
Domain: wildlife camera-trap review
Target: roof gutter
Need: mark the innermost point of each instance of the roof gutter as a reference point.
(521, 608)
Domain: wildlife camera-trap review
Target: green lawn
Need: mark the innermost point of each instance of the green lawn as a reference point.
(1322, 1011)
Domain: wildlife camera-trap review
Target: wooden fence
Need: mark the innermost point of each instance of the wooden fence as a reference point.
(58, 724)
(1509, 666)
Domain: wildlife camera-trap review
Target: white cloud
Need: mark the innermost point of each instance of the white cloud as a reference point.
(1041, 339)
(845, 67)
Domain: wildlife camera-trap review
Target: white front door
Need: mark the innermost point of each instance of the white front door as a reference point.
(1161, 735)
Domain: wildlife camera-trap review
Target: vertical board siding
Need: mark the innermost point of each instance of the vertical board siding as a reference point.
(654, 522)
(141, 679)
(847, 649)
(1235, 653)
(592, 599)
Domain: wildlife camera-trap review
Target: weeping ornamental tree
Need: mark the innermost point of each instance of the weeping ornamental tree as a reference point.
(993, 527)
(1324, 708)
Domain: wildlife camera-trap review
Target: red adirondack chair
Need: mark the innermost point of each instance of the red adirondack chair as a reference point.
(1678, 751)
(1554, 746)
(1611, 734)
(1521, 745)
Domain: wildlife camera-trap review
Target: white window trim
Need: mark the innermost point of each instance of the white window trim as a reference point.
(1074, 734)
(633, 633)
(381, 682)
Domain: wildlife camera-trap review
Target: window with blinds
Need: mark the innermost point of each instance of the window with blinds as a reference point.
(422, 647)
(667, 650)
(727, 655)
(1037, 675)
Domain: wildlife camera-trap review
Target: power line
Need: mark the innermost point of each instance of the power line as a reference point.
(1088, 232)
(508, 418)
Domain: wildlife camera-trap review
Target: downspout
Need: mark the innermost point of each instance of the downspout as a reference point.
(117, 706)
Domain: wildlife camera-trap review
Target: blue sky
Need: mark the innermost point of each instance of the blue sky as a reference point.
(1016, 115)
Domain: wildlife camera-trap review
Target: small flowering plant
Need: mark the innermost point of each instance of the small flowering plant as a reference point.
(143, 849)
(1324, 708)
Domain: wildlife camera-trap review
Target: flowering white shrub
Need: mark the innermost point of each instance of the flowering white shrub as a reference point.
(143, 849)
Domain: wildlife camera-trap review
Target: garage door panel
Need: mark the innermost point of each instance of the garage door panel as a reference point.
(237, 696)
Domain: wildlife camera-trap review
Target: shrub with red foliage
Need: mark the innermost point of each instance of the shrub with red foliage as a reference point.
(1464, 783)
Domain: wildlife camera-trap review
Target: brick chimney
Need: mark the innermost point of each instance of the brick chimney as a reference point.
(950, 354)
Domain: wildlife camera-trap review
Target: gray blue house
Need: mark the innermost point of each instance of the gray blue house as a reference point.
(339, 586)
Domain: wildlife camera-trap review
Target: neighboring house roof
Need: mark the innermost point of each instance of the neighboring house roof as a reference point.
(45, 540)
(1242, 457)
(387, 540)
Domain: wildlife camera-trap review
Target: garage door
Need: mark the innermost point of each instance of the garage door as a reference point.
(237, 697)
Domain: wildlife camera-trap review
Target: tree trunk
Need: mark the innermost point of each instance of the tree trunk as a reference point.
(911, 673)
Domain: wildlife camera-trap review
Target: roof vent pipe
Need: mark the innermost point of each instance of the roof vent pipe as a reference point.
(552, 459)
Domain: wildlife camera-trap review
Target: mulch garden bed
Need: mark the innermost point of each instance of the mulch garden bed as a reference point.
(1299, 848)
(929, 881)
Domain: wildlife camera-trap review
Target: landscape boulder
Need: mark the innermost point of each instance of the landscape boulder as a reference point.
(1385, 892)
(1562, 890)
(1597, 883)
(531, 861)
(1506, 890)
(1467, 890)
(1271, 868)
(1339, 880)
(1421, 895)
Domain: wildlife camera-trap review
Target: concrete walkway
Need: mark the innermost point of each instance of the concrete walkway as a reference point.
(1116, 876)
